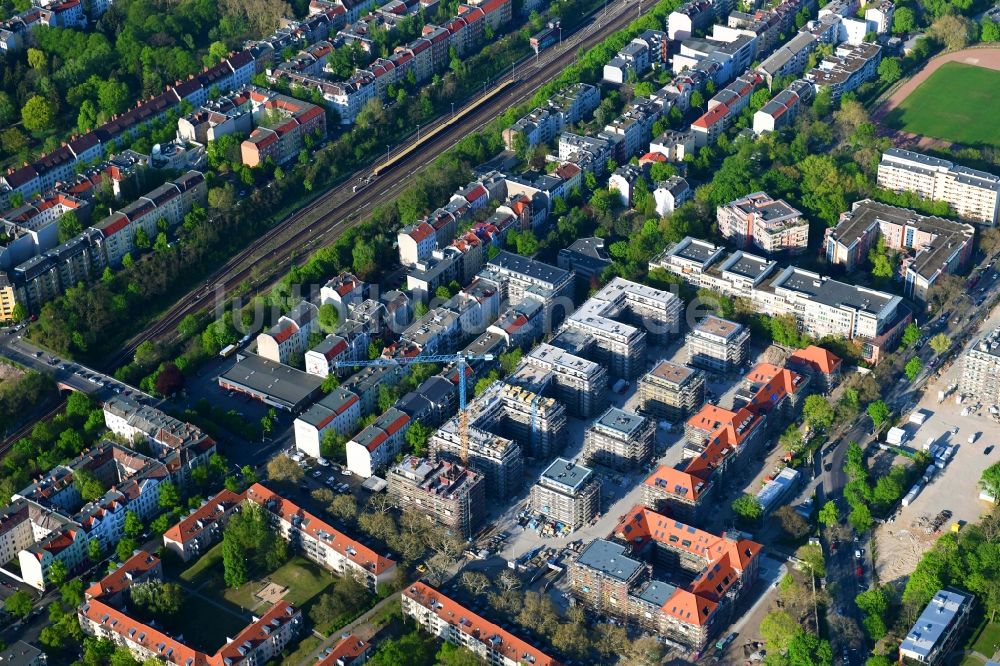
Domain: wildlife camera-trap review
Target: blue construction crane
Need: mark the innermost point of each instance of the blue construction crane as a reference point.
(460, 360)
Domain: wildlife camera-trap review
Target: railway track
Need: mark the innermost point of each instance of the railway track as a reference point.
(340, 208)
(8, 443)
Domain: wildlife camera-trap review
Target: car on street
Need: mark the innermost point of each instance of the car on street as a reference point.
(859, 553)
(317, 474)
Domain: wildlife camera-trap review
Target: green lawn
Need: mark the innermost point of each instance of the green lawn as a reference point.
(206, 626)
(205, 567)
(988, 641)
(303, 579)
(956, 103)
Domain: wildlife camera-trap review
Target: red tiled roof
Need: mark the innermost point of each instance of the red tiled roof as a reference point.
(676, 482)
(817, 358)
(195, 523)
(313, 526)
(464, 620)
(350, 647)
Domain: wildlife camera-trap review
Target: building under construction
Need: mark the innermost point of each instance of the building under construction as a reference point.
(619, 439)
(449, 494)
(672, 391)
(567, 494)
(506, 422)
(620, 318)
(577, 383)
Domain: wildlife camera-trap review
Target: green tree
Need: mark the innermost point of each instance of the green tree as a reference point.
(113, 97)
(133, 524)
(88, 485)
(777, 629)
(329, 318)
(879, 413)
(990, 31)
(913, 368)
(747, 508)
(910, 334)
(38, 115)
(69, 226)
(828, 514)
(903, 21)
(125, 548)
(417, 436)
(234, 565)
(889, 70)
(818, 412)
(18, 604)
(94, 550)
(170, 498)
(860, 517)
(57, 573)
(450, 655)
(940, 343)
(989, 481)
(813, 557)
(874, 603)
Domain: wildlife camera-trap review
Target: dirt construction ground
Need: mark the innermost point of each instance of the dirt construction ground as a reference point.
(902, 541)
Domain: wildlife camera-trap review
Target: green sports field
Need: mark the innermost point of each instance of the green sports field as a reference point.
(956, 103)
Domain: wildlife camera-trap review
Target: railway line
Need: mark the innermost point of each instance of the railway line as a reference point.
(343, 206)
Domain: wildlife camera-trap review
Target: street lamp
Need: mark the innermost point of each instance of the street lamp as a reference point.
(452, 109)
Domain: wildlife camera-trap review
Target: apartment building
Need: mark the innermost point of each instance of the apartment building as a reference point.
(823, 367)
(718, 345)
(938, 246)
(789, 59)
(674, 145)
(974, 195)
(450, 621)
(104, 614)
(821, 306)
(544, 124)
(338, 412)
(774, 392)
(282, 123)
(783, 108)
(376, 446)
(566, 494)
(520, 278)
(178, 445)
(449, 494)
(981, 369)
(723, 109)
(707, 574)
(290, 335)
(672, 391)
(49, 520)
(619, 318)
(693, 15)
(761, 221)
(670, 194)
(497, 458)
(845, 70)
(577, 383)
(619, 439)
(349, 651)
(936, 631)
(602, 576)
(8, 301)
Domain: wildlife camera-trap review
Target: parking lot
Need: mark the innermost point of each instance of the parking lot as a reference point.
(902, 541)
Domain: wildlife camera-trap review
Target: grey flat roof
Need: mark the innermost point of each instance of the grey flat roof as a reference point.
(536, 270)
(280, 383)
(833, 293)
(609, 558)
(656, 592)
(748, 265)
(618, 419)
(19, 654)
(568, 474)
(933, 622)
(697, 250)
(674, 373)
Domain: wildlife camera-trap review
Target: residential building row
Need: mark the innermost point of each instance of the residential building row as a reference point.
(542, 125)
(716, 439)
(850, 66)
(312, 537)
(939, 246)
(447, 619)
(672, 579)
(820, 305)
(635, 58)
(50, 520)
(83, 258)
(105, 613)
(973, 195)
(782, 109)
(416, 61)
